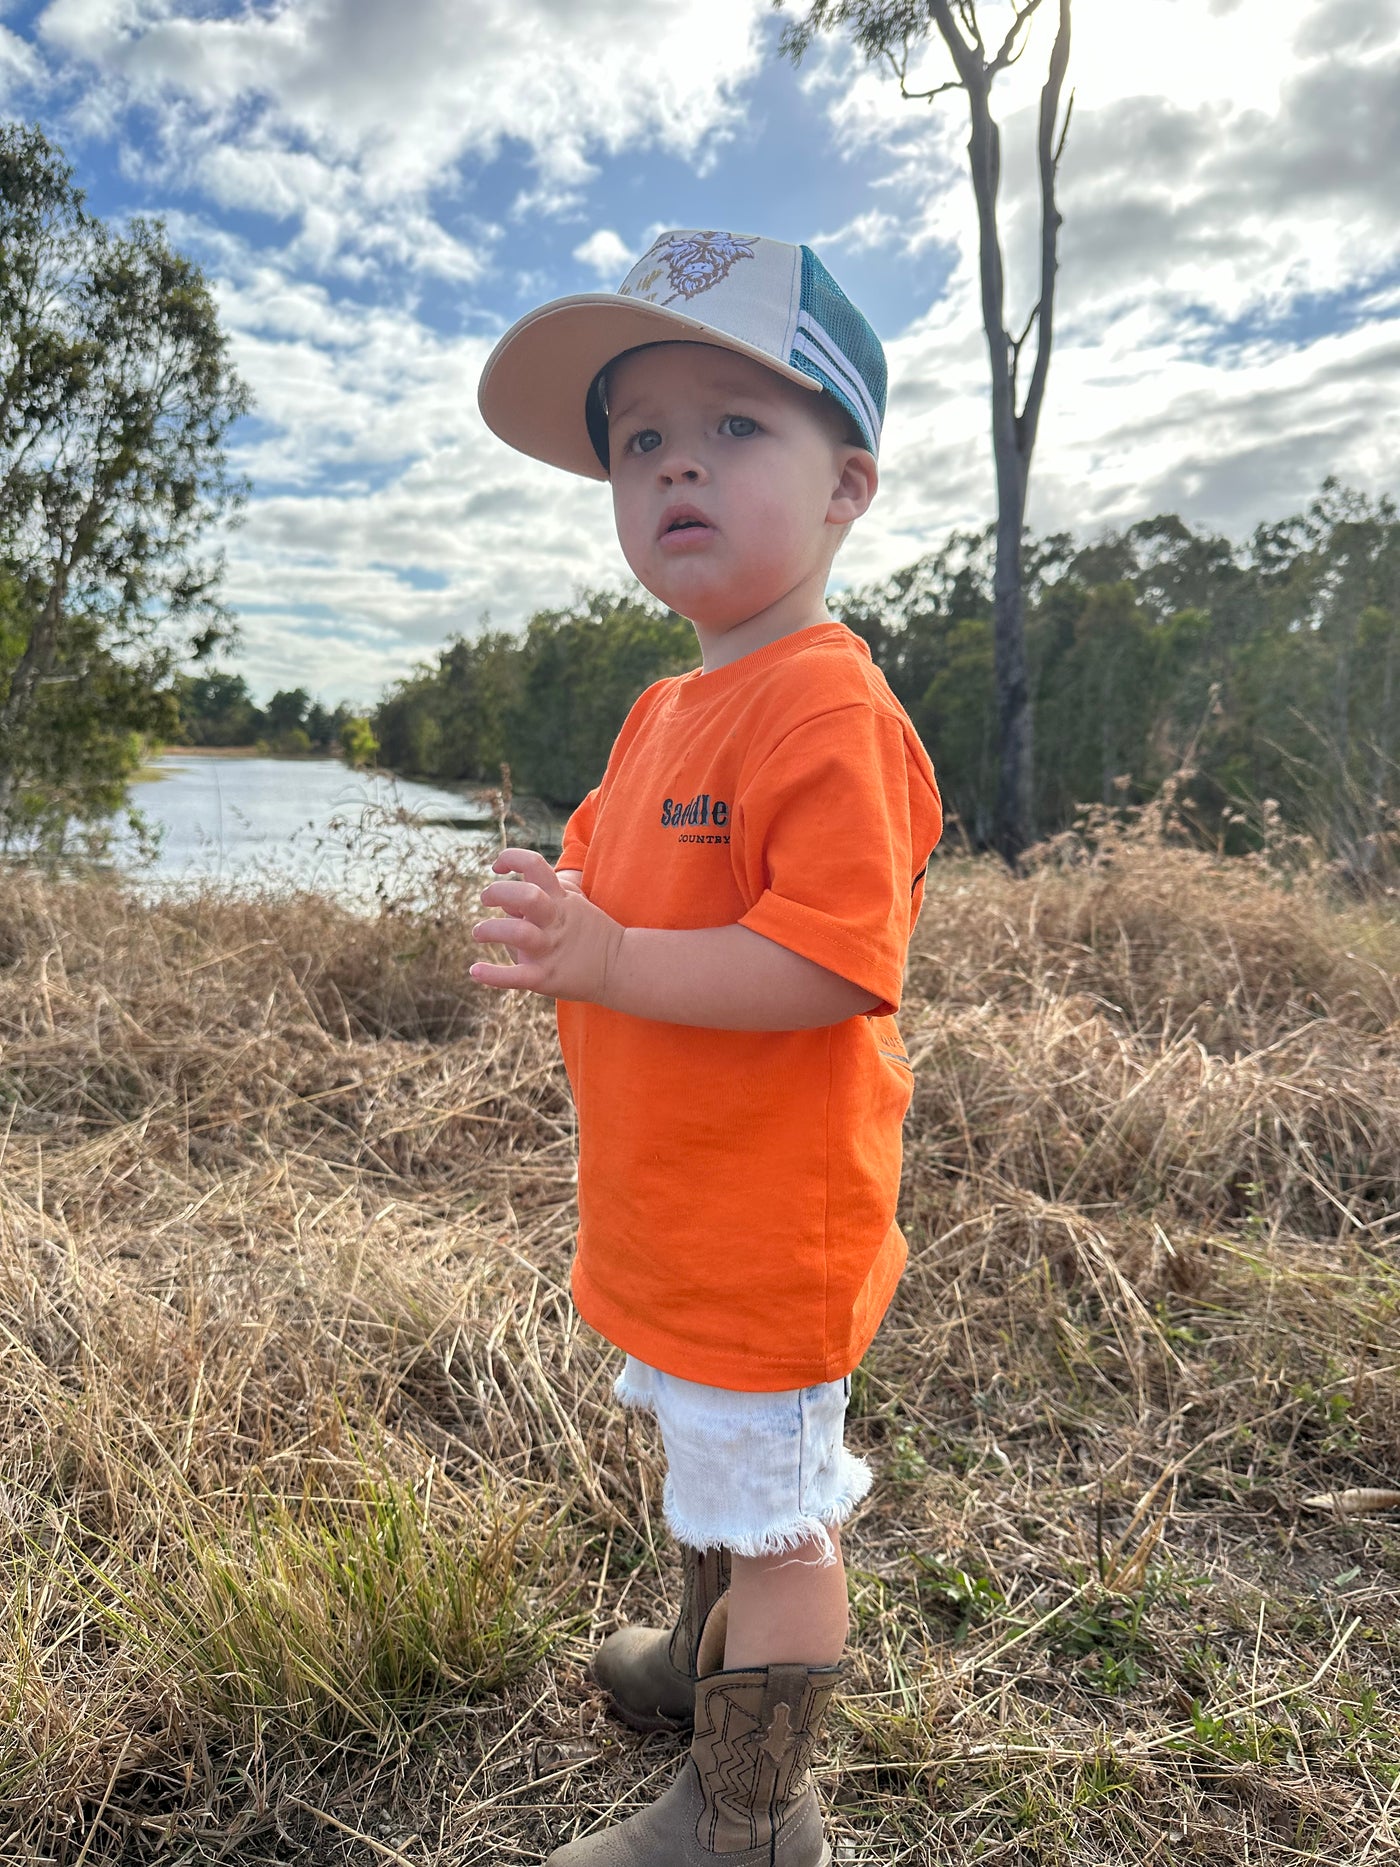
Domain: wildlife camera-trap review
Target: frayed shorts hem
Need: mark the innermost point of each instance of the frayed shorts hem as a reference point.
(756, 1474)
(779, 1538)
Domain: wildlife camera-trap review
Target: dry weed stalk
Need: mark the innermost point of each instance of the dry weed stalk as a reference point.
(313, 1497)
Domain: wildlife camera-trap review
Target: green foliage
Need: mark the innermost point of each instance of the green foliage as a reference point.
(1270, 670)
(877, 27)
(116, 393)
(358, 743)
(286, 710)
(91, 725)
(216, 709)
(334, 1620)
(959, 1597)
(1107, 1630)
(582, 670)
(549, 703)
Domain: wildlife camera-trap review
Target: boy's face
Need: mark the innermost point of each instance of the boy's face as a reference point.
(730, 484)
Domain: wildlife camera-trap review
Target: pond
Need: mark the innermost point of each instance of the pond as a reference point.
(295, 823)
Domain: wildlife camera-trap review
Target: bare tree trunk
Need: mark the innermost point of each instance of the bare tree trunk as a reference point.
(879, 28)
(1013, 433)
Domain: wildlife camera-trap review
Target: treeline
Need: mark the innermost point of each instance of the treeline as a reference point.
(548, 702)
(1268, 667)
(216, 709)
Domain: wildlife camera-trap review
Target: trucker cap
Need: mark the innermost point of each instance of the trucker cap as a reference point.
(541, 389)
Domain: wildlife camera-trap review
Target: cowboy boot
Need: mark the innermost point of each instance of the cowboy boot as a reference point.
(744, 1797)
(651, 1673)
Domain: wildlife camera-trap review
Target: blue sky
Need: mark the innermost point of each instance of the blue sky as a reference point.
(376, 192)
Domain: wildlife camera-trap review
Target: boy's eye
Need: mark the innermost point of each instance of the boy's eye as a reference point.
(645, 441)
(740, 427)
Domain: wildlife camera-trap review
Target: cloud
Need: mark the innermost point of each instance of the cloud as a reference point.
(864, 232)
(20, 68)
(1137, 425)
(372, 465)
(340, 112)
(1232, 211)
(1353, 25)
(1228, 319)
(607, 254)
(376, 191)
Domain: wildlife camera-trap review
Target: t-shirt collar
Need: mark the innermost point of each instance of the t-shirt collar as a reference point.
(696, 687)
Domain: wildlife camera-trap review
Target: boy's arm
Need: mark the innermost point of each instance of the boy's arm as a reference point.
(729, 979)
(720, 978)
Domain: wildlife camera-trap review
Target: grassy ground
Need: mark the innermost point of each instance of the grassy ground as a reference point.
(313, 1500)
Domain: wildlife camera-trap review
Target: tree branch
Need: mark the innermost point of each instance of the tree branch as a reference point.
(967, 59)
(984, 160)
(967, 12)
(1064, 133)
(1050, 151)
(900, 68)
(1017, 346)
(1008, 54)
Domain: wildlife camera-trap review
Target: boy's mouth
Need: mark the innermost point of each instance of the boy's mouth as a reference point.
(683, 519)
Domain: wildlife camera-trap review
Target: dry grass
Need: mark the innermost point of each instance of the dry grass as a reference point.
(313, 1499)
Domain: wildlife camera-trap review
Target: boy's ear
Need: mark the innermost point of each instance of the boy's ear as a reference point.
(855, 488)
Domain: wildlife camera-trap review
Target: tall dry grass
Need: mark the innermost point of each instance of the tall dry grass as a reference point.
(313, 1498)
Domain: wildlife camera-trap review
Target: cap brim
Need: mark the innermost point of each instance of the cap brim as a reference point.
(536, 381)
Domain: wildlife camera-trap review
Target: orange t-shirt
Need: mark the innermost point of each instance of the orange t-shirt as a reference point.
(737, 1188)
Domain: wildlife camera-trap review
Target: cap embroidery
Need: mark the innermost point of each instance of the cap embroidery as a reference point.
(693, 262)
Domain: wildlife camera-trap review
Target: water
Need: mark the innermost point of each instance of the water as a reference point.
(295, 823)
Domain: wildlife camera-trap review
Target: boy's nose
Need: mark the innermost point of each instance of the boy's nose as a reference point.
(681, 464)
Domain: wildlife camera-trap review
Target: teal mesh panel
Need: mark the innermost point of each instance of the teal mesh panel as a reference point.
(829, 308)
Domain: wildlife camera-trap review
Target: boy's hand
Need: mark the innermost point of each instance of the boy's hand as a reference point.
(564, 947)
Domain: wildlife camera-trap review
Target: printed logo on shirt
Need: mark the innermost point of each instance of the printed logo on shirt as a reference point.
(697, 813)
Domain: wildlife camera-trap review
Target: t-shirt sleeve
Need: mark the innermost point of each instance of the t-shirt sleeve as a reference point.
(837, 827)
(578, 832)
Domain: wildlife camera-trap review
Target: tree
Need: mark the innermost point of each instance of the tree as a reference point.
(287, 710)
(216, 709)
(84, 738)
(358, 742)
(582, 669)
(549, 703)
(116, 393)
(888, 30)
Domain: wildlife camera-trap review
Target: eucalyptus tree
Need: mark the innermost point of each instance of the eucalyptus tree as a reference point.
(116, 395)
(889, 31)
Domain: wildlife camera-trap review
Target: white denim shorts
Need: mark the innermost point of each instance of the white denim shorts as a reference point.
(753, 1473)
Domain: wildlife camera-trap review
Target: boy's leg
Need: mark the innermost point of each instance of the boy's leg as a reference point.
(787, 1610)
(745, 1794)
(767, 1661)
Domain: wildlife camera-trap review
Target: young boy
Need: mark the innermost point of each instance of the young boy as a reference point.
(725, 935)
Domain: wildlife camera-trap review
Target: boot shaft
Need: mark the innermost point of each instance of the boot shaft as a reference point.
(706, 1578)
(755, 1732)
(650, 1671)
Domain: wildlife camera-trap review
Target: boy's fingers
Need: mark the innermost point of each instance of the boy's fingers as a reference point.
(531, 866)
(508, 978)
(521, 898)
(519, 934)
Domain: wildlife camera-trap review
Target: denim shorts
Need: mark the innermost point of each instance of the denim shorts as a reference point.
(753, 1473)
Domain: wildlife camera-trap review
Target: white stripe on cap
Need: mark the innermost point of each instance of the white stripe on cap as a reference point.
(815, 343)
